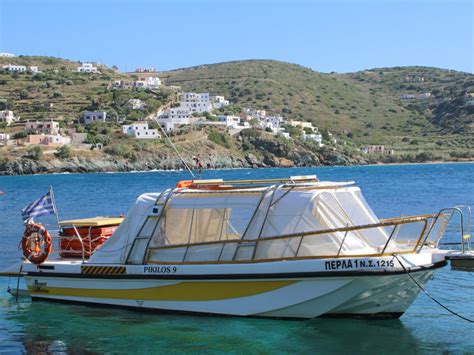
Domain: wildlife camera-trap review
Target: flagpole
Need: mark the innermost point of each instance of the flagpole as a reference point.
(54, 203)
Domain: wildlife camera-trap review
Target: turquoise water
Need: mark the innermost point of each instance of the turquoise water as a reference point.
(390, 190)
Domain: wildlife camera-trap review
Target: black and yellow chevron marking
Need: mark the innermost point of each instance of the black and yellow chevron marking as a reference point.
(103, 270)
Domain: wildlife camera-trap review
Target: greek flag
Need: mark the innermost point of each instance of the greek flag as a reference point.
(41, 207)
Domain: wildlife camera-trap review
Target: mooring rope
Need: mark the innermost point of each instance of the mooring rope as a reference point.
(427, 293)
(175, 149)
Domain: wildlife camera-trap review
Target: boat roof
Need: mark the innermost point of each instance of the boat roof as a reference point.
(306, 181)
(92, 222)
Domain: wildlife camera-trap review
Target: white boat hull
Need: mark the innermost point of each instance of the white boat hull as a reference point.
(379, 292)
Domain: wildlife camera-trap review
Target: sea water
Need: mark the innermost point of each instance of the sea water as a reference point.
(390, 190)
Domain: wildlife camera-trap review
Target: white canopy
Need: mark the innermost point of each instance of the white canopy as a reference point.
(224, 217)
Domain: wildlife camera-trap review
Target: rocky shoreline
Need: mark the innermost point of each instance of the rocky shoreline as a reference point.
(78, 164)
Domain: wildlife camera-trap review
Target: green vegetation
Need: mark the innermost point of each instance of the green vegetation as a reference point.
(63, 152)
(364, 107)
(119, 150)
(35, 152)
(359, 109)
(220, 138)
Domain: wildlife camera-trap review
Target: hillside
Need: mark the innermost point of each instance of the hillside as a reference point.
(363, 107)
(61, 93)
(358, 108)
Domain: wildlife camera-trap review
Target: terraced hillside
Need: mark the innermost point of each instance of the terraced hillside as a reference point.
(61, 93)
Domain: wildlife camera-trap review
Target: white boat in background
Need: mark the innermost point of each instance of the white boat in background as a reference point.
(286, 248)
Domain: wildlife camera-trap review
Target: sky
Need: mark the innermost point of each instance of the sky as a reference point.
(327, 36)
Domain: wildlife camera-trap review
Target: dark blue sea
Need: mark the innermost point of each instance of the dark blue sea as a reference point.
(391, 191)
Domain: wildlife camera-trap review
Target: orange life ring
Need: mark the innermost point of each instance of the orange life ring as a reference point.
(36, 243)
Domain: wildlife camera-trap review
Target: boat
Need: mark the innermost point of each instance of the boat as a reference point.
(294, 247)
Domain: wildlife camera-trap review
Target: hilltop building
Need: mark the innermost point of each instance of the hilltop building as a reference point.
(145, 70)
(136, 104)
(377, 149)
(87, 68)
(174, 116)
(196, 102)
(46, 127)
(315, 137)
(4, 138)
(8, 117)
(7, 55)
(230, 121)
(149, 82)
(15, 68)
(219, 102)
(47, 139)
(423, 96)
(140, 131)
(252, 113)
(89, 117)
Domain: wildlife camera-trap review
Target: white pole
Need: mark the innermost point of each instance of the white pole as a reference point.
(54, 203)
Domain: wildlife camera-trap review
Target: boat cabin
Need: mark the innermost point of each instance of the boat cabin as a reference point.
(212, 221)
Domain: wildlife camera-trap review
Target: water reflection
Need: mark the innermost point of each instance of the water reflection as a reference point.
(48, 327)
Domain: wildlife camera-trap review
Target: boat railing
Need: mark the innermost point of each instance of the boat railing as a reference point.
(80, 252)
(444, 217)
(401, 235)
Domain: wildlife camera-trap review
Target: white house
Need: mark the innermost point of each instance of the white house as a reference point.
(271, 122)
(136, 104)
(373, 149)
(423, 96)
(94, 116)
(301, 124)
(3, 138)
(258, 114)
(148, 82)
(315, 137)
(175, 116)
(230, 121)
(153, 81)
(87, 68)
(15, 68)
(140, 131)
(34, 69)
(141, 84)
(219, 102)
(8, 117)
(196, 102)
(7, 55)
(46, 127)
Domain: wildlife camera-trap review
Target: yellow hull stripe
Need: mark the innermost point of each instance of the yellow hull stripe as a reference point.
(184, 291)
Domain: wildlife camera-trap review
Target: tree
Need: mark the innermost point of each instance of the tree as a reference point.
(34, 152)
(63, 152)
(23, 94)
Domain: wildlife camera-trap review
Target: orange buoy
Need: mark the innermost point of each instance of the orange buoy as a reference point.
(36, 243)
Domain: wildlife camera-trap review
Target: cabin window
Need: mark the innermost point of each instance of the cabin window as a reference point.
(197, 219)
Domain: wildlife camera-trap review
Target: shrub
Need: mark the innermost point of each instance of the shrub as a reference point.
(57, 94)
(35, 152)
(251, 133)
(63, 152)
(23, 94)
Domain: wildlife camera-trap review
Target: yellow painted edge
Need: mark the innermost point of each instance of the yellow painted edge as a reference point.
(183, 291)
